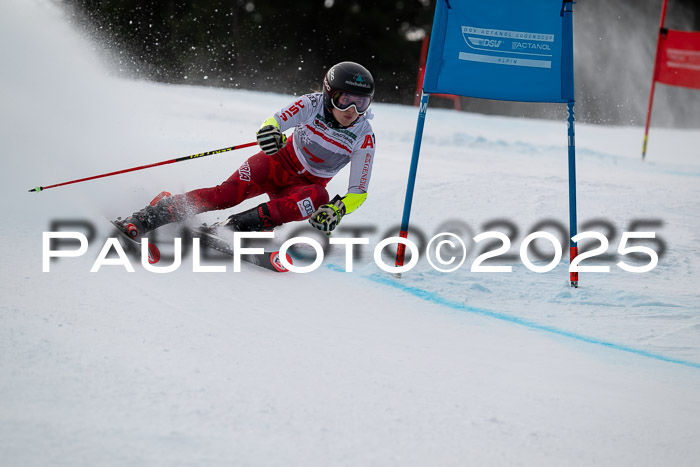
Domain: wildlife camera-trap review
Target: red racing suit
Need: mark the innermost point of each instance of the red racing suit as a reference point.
(296, 176)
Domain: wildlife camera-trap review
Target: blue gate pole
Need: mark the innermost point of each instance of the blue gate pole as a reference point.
(423, 109)
(573, 248)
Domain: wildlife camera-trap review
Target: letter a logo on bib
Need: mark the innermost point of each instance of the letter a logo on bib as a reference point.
(368, 142)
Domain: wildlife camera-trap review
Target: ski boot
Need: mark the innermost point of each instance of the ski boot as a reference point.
(164, 209)
(256, 219)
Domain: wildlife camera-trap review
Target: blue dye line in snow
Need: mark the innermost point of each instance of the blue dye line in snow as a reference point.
(437, 299)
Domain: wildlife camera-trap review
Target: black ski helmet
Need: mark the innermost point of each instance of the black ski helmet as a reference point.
(348, 77)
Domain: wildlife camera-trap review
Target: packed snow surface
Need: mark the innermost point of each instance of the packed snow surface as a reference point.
(334, 367)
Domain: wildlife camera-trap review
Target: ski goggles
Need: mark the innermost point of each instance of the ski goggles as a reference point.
(342, 101)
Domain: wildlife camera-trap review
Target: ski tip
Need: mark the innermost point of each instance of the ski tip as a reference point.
(36, 189)
(277, 264)
(153, 253)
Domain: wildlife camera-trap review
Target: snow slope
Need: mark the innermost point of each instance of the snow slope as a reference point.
(334, 368)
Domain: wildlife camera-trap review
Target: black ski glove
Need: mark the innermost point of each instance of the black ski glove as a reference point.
(327, 217)
(270, 139)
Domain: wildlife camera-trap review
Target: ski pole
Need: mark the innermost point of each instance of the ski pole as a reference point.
(171, 161)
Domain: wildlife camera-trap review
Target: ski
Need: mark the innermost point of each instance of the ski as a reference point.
(153, 251)
(268, 260)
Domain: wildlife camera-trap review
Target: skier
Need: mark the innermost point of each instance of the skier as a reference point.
(331, 129)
